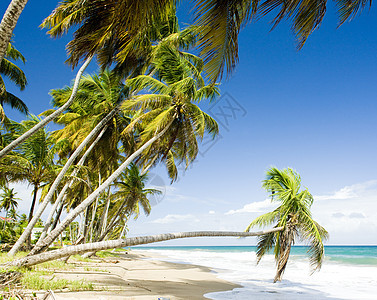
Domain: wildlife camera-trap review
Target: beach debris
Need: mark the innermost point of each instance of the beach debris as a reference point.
(10, 278)
(15, 295)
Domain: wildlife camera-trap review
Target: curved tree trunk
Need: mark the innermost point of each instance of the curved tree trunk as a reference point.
(73, 214)
(49, 218)
(58, 179)
(61, 195)
(51, 117)
(8, 23)
(287, 240)
(79, 249)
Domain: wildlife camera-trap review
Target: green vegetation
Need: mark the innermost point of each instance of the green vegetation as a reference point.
(294, 215)
(104, 254)
(39, 281)
(42, 277)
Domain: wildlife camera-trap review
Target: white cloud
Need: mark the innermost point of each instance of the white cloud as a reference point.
(254, 207)
(344, 193)
(175, 218)
(211, 212)
(348, 192)
(357, 215)
(352, 217)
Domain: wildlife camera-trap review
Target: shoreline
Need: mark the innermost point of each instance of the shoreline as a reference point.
(139, 275)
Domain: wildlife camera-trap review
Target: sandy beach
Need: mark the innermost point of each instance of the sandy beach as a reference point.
(141, 276)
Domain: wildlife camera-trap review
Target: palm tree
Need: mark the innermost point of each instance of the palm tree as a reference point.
(130, 195)
(294, 215)
(171, 118)
(32, 162)
(96, 106)
(8, 23)
(14, 74)
(8, 201)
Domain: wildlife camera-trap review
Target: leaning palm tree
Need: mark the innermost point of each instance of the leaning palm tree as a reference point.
(96, 95)
(294, 215)
(95, 109)
(32, 260)
(169, 117)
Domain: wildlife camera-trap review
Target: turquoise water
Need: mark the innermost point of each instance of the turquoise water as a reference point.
(356, 255)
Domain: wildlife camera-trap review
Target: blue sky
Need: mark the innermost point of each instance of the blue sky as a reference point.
(313, 110)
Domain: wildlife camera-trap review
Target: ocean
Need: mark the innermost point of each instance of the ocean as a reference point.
(348, 272)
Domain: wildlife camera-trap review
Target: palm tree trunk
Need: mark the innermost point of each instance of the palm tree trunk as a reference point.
(82, 223)
(58, 179)
(94, 211)
(61, 195)
(51, 117)
(58, 214)
(103, 223)
(49, 218)
(285, 249)
(86, 223)
(35, 192)
(26, 233)
(79, 249)
(73, 214)
(123, 230)
(8, 23)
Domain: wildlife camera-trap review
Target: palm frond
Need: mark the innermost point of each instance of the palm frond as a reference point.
(14, 54)
(14, 102)
(314, 234)
(306, 15)
(348, 9)
(147, 82)
(265, 243)
(14, 73)
(265, 219)
(220, 23)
